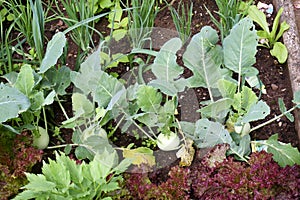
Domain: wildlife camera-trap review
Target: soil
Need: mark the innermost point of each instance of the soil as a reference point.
(273, 75)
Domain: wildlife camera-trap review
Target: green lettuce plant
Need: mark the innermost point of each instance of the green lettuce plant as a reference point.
(270, 38)
(64, 179)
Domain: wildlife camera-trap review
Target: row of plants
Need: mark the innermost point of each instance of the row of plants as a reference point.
(135, 106)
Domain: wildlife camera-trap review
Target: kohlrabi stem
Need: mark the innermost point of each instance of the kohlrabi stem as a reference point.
(45, 120)
(274, 119)
(63, 145)
(61, 107)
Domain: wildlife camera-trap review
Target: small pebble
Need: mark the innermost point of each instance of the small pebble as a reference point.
(274, 86)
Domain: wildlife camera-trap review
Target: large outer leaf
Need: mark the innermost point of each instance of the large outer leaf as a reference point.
(240, 47)
(54, 51)
(283, 154)
(203, 58)
(12, 102)
(256, 111)
(166, 69)
(209, 133)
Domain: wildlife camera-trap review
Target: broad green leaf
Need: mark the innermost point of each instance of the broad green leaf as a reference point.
(208, 134)
(202, 57)
(25, 80)
(53, 52)
(165, 67)
(148, 99)
(259, 17)
(61, 80)
(283, 154)
(227, 88)
(140, 155)
(11, 77)
(256, 111)
(81, 103)
(240, 46)
(38, 183)
(12, 103)
(280, 52)
(107, 160)
(283, 110)
(217, 110)
(244, 99)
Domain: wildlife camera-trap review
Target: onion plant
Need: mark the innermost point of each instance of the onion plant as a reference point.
(141, 20)
(182, 18)
(229, 14)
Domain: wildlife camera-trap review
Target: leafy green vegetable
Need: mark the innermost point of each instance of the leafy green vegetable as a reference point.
(64, 179)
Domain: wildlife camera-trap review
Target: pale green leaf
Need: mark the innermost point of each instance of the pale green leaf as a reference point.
(242, 149)
(217, 110)
(202, 57)
(208, 134)
(283, 154)
(283, 110)
(259, 17)
(148, 99)
(49, 98)
(81, 103)
(25, 80)
(37, 99)
(53, 52)
(256, 111)
(12, 102)
(38, 183)
(227, 88)
(240, 46)
(280, 52)
(244, 99)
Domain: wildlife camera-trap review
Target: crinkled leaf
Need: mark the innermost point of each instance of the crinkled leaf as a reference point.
(244, 99)
(53, 52)
(25, 80)
(216, 155)
(256, 111)
(140, 155)
(240, 46)
(12, 102)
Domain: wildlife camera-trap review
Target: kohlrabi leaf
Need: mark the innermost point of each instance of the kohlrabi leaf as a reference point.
(61, 80)
(81, 104)
(209, 133)
(25, 80)
(140, 155)
(12, 102)
(217, 110)
(241, 149)
(256, 111)
(239, 47)
(54, 51)
(283, 154)
(227, 88)
(244, 99)
(283, 110)
(202, 57)
(148, 99)
(166, 69)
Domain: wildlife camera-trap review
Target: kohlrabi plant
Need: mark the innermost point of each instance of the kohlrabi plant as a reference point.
(270, 38)
(26, 94)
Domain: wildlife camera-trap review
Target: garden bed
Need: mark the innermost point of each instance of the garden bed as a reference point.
(78, 126)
